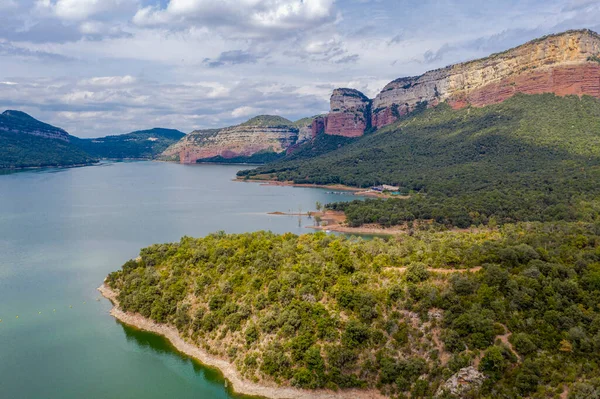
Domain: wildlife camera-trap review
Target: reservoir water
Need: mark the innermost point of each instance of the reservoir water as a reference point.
(63, 230)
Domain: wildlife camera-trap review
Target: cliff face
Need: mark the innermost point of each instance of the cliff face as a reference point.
(263, 134)
(350, 113)
(563, 64)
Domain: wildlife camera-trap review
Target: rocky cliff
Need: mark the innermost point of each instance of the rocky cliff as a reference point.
(565, 63)
(350, 113)
(266, 135)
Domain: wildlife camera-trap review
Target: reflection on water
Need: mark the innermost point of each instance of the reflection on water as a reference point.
(158, 344)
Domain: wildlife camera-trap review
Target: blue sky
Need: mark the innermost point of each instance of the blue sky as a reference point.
(98, 67)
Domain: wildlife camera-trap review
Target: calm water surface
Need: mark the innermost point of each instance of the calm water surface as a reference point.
(62, 231)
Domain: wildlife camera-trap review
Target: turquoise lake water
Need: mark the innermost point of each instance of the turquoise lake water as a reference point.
(63, 230)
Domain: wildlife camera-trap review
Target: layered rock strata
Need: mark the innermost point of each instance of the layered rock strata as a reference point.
(565, 64)
(245, 140)
(350, 113)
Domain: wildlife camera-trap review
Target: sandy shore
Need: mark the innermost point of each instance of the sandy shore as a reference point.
(228, 370)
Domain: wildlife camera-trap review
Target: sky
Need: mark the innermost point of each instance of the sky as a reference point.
(102, 67)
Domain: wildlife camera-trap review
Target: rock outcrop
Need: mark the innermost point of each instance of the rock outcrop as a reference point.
(565, 63)
(350, 113)
(465, 381)
(260, 135)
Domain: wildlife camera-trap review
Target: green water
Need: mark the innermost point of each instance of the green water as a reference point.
(62, 231)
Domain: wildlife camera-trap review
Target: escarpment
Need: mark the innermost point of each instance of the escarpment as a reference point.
(564, 64)
(263, 136)
(350, 113)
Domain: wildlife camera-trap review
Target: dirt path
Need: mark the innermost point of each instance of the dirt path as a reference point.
(239, 384)
(504, 339)
(434, 270)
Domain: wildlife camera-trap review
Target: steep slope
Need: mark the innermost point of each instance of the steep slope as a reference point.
(261, 139)
(532, 157)
(27, 142)
(564, 64)
(142, 144)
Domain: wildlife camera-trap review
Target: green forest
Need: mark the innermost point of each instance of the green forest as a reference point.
(520, 303)
(530, 158)
(21, 150)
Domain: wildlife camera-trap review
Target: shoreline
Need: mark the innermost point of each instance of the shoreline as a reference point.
(238, 384)
(22, 168)
(337, 187)
(360, 192)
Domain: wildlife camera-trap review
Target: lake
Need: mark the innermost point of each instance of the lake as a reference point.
(63, 230)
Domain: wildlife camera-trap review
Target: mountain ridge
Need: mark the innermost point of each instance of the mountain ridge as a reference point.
(563, 63)
(26, 142)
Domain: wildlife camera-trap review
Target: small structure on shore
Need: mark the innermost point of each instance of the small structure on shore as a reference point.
(385, 187)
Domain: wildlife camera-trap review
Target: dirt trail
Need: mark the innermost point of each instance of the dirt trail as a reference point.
(504, 339)
(434, 270)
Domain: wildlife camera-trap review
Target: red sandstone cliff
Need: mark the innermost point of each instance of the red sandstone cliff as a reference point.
(350, 113)
(565, 63)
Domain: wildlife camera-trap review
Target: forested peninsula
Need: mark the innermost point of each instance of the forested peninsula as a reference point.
(517, 307)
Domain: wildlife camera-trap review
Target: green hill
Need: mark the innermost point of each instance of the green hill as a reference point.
(143, 144)
(528, 158)
(27, 142)
(400, 316)
(268, 121)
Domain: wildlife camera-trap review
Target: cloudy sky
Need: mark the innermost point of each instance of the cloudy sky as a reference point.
(98, 67)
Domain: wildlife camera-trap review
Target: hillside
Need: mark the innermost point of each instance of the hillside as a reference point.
(532, 157)
(405, 316)
(27, 142)
(264, 138)
(142, 144)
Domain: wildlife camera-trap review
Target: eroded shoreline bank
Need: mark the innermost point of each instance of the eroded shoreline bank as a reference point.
(238, 383)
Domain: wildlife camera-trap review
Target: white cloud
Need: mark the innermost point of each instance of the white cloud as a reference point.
(250, 18)
(109, 81)
(244, 111)
(79, 10)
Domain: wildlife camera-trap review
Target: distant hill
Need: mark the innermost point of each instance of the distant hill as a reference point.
(262, 139)
(27, 142)
(268, 121)
(142, 144)
(532, 157)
